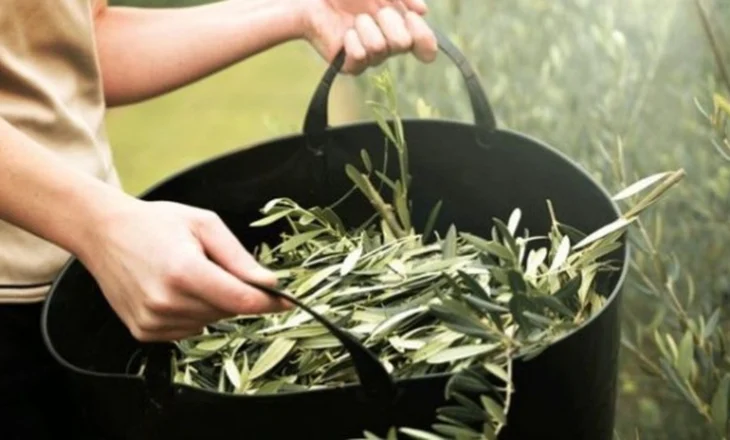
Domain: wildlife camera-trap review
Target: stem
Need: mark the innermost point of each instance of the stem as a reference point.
(384, 209)
(644, 360)
(717, 53)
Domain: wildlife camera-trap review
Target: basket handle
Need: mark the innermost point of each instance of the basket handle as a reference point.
(316, 119)
(376, 384)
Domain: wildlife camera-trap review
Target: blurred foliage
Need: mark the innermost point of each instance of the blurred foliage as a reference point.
(625, 88)
(244, 104)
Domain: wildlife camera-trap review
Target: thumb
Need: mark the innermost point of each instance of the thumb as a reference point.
(223, 247)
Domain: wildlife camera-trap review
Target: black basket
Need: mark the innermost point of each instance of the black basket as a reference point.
(479, 171)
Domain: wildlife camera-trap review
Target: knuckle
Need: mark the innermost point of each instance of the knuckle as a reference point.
(178, 270)
(403, 43)
(378, 48)
(159, 303)
(141, 333)
(207, 217)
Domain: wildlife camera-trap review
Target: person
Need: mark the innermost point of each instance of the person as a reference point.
(166, 269)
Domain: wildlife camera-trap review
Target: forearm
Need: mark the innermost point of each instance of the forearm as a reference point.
(148, 52)
(44, 195)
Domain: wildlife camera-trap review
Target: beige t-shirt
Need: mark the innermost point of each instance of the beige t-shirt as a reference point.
(51, 90)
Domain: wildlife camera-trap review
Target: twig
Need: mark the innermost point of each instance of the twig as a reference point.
(714, 44)
(384, 209)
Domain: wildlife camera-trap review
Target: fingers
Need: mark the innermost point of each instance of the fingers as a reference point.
(372, 39)
(396, 35)
(425, 45)
(227, 292)
(223, 247)
(389, 32)
(357, 56)
(417, 6)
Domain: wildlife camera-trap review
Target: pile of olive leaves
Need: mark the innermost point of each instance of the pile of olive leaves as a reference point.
(457, 303)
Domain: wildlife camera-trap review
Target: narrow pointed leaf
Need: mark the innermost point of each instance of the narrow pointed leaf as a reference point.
(685, 355)
(272, 218)
(494, 409)
(449, 244)
(461, 352)
(351, 261)
(366, 160)
(719, 406)
(431, 221)
(300, 239)
(561, 255)
(616, 226)
(273, 354)
(639, 186)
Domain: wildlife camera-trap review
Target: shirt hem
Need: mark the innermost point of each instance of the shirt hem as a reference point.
(24, 294)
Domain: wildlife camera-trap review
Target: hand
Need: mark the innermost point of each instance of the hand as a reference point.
(371, 30)
(168, 270)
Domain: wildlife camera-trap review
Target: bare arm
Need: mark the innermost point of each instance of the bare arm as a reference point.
(148, 52)
(166, 269)
(36, 186)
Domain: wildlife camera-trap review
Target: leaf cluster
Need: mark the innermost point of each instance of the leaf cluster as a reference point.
(459, 303)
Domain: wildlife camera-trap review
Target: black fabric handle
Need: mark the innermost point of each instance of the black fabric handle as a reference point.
(316, 120)
(377, 385)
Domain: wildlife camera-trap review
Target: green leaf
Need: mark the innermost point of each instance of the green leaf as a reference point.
(232, 372)
(366, 160)
(391, 323)
(561, 255)
(518, 305)
(271, 218)
(620, 224)
(384, 126)
(534, 260)
(516, 282)
(358, 179)
(514, 221)
(494, 409)
(420, 435)
(468, 381)
(297, 240)
(351, 261)
(685, 355)
(213, 344)
(449, 244)
(435, 345)
(506, 235)
(431, 221)
(678, 383)
(273, 354)
(719, 406)
(490, 247)
(568, 293)
(317, 278)
(463, 414)
(711, 324)
(461, 352)
(456, 432)
(460, 319)
(639, 186)
(392, 185)
(498, 371)
(552, 303)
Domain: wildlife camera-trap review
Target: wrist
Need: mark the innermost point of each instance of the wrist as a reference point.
(96, 209)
